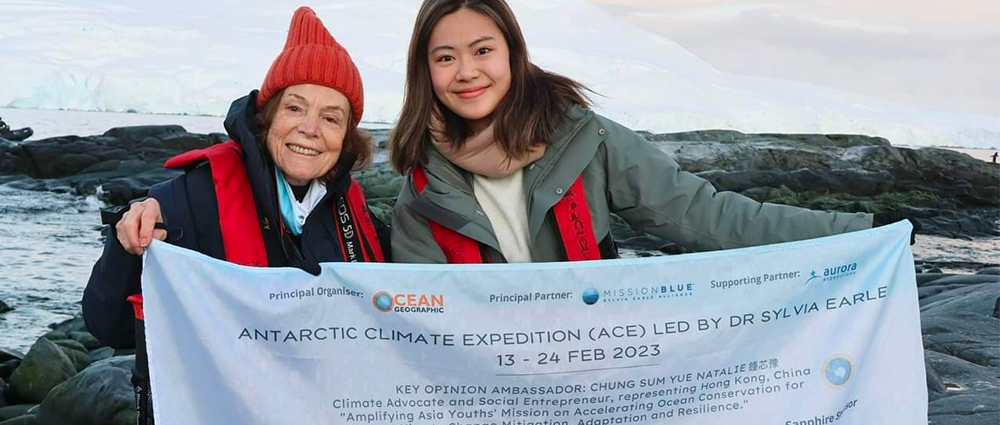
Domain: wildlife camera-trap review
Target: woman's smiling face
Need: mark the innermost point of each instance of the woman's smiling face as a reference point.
(307, 132)
(469, 64)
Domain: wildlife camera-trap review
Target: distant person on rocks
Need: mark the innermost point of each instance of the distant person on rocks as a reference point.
(506, 162)
(995, 155)
(280, 184)
(4, 127)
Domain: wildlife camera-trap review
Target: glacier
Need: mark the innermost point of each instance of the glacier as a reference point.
(188, 57)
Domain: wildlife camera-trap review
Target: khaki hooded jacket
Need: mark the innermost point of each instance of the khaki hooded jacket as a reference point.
(622, 174)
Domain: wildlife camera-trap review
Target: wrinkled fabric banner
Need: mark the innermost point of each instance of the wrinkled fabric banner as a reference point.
(824, 331)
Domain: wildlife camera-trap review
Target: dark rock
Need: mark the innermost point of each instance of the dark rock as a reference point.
(7, 368)
(105, 388)
(968, 336)
(10, 412)
(102, 353)
(69, 326)
(28, 184)
(935, 385)
(991, 271)
(953, 194)
(120, 191)
(55, 335)
(21, 420)
(946, 299)
(962, 347)
(956, 279)
(7, 354)
(970, 222)
(835, 168)
(929, 266)
(139, 132)
(65, 156)
(86, 339)
(126, 362)
(730, 137)
(972, 393)
(76, 352)
(44, 367)
(4, 307)
(70, 344)
(181, 142)
(120, 352)
(118, 157)
(965, 409)
(925, 278)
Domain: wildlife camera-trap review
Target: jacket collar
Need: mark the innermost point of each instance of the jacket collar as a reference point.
(449, 200)
(457, 178)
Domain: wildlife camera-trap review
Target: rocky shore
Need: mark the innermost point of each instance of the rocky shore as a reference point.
(952, 194)
(68, 377)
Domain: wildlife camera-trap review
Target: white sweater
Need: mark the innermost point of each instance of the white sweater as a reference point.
(503, 202)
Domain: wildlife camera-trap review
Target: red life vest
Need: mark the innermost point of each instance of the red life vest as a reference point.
(572, 219)
(242, 239)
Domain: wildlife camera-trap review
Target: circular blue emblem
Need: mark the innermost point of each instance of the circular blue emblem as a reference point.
(590, 296)
(382, 301)
(838, 370)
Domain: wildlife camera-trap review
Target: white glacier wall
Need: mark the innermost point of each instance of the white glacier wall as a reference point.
(195, 57)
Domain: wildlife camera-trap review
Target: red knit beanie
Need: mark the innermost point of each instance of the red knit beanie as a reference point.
(312, 56)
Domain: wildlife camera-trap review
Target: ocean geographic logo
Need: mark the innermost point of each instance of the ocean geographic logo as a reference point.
(833, 273)
(838, 370)
(590, 296)
(408, 303)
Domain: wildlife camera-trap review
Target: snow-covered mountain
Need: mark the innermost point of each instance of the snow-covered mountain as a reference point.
(194, 57)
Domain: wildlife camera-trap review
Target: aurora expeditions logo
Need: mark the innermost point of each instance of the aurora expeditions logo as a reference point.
(833, 273)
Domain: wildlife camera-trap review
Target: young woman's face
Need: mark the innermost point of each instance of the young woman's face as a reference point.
(469, 65)
(307, 132)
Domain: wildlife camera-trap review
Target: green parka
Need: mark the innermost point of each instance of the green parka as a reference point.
(622, 174)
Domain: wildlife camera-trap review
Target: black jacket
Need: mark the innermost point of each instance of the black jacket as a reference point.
(190, 211)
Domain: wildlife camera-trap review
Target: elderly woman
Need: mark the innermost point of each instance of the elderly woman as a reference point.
(278, 194)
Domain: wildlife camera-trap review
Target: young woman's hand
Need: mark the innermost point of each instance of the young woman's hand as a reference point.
(137, 228)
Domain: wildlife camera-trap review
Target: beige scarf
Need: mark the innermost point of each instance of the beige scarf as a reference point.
(480, 154)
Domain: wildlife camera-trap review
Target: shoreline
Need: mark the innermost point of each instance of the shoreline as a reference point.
(39, 120)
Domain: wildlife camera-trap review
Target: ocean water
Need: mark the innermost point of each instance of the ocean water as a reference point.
(53, 123)
(50, 241)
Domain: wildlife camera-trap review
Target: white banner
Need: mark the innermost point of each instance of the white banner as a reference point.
(817, 332)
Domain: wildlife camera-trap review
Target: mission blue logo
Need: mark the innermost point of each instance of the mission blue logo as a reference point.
(838, 371)
(383, 301)
(590, 296)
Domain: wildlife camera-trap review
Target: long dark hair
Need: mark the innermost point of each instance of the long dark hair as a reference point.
(530, 112)
(356, 153)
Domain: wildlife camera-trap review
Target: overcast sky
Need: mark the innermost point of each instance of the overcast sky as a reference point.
(928, 53)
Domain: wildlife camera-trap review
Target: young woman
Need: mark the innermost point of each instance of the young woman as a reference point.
(506, 163)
